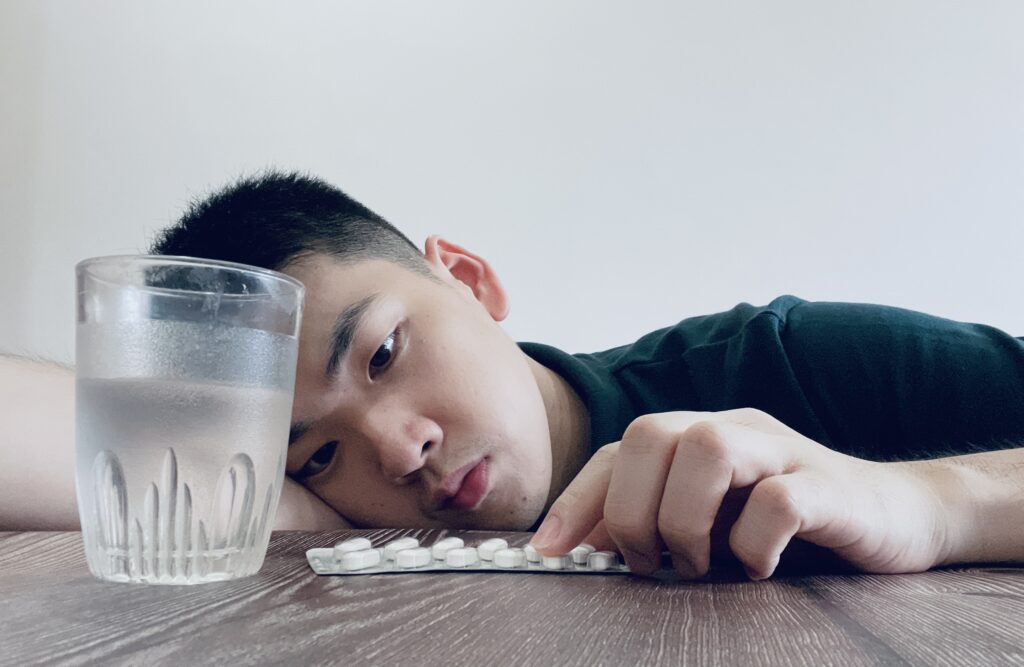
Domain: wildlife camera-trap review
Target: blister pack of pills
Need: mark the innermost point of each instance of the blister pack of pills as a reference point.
(451, 554)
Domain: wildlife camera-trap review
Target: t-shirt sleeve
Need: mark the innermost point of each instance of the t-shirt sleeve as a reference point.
(893, 384)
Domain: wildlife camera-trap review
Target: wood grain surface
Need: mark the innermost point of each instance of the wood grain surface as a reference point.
(53, 611)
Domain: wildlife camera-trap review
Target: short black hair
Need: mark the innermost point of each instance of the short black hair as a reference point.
(274, 218)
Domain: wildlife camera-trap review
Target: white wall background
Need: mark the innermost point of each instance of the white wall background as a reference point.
(622, 164)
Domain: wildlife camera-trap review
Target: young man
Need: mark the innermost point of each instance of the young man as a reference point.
(846, 426)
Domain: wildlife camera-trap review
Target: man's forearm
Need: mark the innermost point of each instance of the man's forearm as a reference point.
(37, 448)
(983, 498)
(301, 510)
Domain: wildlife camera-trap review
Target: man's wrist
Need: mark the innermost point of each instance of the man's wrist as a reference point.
(980, 512)
(946, 485)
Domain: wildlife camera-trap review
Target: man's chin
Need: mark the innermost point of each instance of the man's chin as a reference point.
(499, 524)
(497, 517)
(506, 517)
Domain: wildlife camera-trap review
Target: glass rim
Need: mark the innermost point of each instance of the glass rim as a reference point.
(85, 265)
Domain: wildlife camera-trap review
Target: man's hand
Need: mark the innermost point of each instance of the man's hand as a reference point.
(676, 476)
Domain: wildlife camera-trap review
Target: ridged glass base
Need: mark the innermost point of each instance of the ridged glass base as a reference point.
(165, 543)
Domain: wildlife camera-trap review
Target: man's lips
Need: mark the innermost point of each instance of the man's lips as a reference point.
(464, 488)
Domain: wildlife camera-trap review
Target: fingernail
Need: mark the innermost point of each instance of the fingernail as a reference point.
(684, 566)
(547, 533)
(638, 563)
(753, 574)
(763, 574)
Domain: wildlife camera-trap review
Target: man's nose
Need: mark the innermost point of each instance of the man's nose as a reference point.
(404, 442)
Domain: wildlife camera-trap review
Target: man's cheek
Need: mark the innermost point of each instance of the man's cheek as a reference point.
(378, 507)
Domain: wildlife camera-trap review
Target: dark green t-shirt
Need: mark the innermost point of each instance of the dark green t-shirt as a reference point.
(877, 382)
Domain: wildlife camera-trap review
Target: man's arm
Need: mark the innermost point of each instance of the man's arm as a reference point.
(37, 446)
(301, 510)
(37, 456)
(677, 476)
(983, 496)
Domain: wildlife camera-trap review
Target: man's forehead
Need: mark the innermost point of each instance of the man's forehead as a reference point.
(333, 285)
(339, 297)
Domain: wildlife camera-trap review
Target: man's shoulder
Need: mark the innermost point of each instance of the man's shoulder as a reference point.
(779, 317)
(698, 331)
(787, 315)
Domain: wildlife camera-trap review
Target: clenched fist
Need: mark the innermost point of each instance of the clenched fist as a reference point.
(663, 485)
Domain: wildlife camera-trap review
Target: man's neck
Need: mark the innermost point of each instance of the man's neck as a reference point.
(569, 423)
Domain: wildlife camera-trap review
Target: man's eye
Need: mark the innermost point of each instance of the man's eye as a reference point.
(382, 357)
(319, 461)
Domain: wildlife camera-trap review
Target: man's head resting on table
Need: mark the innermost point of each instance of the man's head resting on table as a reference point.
(404, 380)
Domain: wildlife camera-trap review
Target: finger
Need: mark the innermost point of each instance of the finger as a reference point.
(710, 458)
(779, 508)
(639, 479)
(600, 539)
(580, 507)
(636, 487)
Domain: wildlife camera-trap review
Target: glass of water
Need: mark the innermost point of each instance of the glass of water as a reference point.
(185, 370)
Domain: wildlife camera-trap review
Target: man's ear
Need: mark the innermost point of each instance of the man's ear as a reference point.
(472, 271)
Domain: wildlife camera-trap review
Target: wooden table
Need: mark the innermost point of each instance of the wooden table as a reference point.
(52, 610)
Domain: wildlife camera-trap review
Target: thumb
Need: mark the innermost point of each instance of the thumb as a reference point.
(578, 510)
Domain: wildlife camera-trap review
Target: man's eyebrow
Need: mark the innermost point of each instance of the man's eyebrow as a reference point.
(345, 330)
(297, 431)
